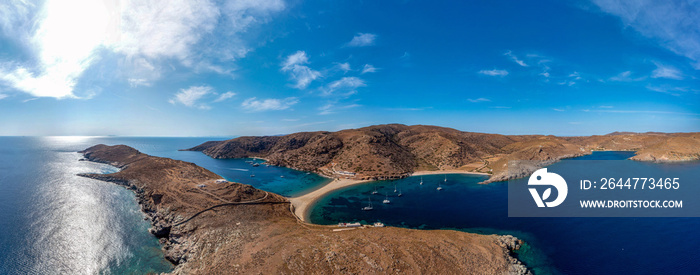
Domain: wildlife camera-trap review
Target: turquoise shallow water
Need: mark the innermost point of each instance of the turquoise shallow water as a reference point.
(554, 245)
(54, 222)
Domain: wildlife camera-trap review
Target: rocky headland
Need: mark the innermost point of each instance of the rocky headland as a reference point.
(396, 151)
(211, 226)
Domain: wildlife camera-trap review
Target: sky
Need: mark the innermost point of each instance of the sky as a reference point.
(267, 67)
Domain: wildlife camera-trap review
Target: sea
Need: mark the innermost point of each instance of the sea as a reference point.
(54, 222)
(617, 245)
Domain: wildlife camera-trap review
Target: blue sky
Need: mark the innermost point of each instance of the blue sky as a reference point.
(263, 67)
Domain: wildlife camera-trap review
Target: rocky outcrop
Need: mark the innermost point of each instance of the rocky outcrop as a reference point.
(677, 148)
(211, 227)
(395, 150)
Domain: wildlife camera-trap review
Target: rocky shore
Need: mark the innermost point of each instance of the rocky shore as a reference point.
(209, 226)
(395, 151)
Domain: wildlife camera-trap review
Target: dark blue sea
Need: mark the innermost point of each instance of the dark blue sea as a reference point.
(553, 245)
(54, 222)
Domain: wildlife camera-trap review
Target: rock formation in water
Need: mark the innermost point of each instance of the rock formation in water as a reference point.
(210, 226)
(395, 150)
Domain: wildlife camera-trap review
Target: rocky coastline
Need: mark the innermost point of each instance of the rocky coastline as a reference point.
(254, 231)
(394, 151)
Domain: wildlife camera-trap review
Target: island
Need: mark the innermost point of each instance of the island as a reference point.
(392, 151)
(395, 151)
(208, 225)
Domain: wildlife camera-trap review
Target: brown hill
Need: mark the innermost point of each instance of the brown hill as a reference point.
(395, 150)
(210, 226)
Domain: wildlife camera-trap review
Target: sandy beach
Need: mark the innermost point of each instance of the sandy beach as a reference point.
(302, 203)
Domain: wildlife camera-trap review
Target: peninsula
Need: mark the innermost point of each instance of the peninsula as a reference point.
(396, 150)
(208, 225)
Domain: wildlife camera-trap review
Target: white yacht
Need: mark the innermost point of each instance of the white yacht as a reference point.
(386, 201)
(368, 207)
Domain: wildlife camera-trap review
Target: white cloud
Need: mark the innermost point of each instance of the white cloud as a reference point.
(3, 96)
(542, 63)
(575, 76)
(567, 83)
(673, 24)
(225, 96)
(271, 104)
(14, 16)
(626, 76)
(515, 59)
(494, 72)
(666, 89)
(476, 100)
(172, 29)
(346, 84)
(190, 97)
(332, 108)
(345, 67)
(623, 76)
(135, 82)
(362, 39)
(156, 29)
(369, 69)
(64, 39)
(558, 110)
(663, 71)
(298, 71)
(64, 45)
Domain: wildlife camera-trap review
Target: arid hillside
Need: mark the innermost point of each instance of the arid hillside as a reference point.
(395, 150)
(210, 226)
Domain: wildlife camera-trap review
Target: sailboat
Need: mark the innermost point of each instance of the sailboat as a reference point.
(375, 190)
(439, 187)
(421, 180)
(386, 201)
(400, 194)
(394, 188)
(445, 178)
(368, 207)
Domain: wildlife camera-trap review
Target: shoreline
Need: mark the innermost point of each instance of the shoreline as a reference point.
(302, 204)
(193, 244)
(446, 172)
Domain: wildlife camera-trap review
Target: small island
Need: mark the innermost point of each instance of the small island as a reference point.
(209, 225)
